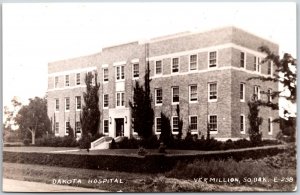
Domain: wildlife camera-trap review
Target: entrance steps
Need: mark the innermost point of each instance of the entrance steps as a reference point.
(103, 142)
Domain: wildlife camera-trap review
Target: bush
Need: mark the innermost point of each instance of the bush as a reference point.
(52, 141)
(26, 142)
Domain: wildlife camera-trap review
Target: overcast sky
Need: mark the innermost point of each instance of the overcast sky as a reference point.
(35, 34)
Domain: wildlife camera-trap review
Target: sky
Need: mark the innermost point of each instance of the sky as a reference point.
(39, 33)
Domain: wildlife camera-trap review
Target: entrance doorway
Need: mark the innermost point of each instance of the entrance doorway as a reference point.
(119, 127)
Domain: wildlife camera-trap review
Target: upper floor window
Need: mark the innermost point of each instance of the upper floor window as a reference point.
(256, 91)
(56, 82)
(67, 80)
(242, 60)
(56, 104)
(158, 124)
(175, 65)
(78, 79)
(175, 94)
(213, 123)
(158, 96)
(78, 102)
(270, 95)
(105, 101)
(175, 124)
(135, 68)
(158, 67)
(120, 72)
(269, 67)
(120, 99)
(105, 74)
(257, 64)
(242, 92)
(78, 127)
(193, 62)
(242, 124)
(212, 91)
(212, 59)
(193, 123)
(193, 93)
(67, 104)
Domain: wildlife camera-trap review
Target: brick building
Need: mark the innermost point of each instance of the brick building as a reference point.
(204, 72)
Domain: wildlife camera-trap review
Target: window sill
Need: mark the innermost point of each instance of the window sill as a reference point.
(67, 110)
(213, 132)
(242, 101)
(243, 132)
(78, 109)
(175, 103)
(214, 100)
(105, 108)
(160, 104)
(193, 102)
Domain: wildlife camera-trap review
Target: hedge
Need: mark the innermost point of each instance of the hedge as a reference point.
(150, 163)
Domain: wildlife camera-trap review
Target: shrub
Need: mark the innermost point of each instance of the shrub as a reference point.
(26, 142)
(52, 141)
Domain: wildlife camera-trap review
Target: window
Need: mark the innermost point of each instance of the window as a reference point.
(93, 77)
(120, 99)
(56, 82)
(105, 127)
(193, 93)
(212, 91)
(158, 125)
(175, 94)
(212, 59)
(67, 128)
(56, 127)
(135, 70)
(105, 74)
(175, 65)
(242, 92)
(78, 103)
(193, 123)
(105, 101)
(56, 104)
(270, 126)
(257, 91)
(242, 124)
(193, 62)
(120, 72)
(78, 127)
(270, 95)
(67, 104)
(67, 81)
(158, 96)
(158, 67)
(78, 79)
(175, 124)
(242, 60)
(269, 67)
(213, 123)
(257, 64)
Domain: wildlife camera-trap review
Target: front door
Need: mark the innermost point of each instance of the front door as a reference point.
(119, 127)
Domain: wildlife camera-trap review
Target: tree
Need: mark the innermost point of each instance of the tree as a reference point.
(166, 135)
(10, 114)
(33, 118)
(286, 74)
(141, 107)
(90, 114)
(180, 122)
(254, 121)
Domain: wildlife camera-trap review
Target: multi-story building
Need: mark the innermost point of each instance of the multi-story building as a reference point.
(206, 73)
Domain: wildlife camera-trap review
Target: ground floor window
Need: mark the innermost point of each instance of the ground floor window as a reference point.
(67, 128)
(57, 128)
(193, 123)
(242, 124)
(213, 123)
(105, 126)
(78, 127)
(175, 124)
(270, 127)
(158, 125)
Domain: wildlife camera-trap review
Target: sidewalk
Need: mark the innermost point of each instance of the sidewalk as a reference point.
(10, 185)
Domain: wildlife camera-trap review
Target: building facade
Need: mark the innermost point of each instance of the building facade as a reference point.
(206, 73)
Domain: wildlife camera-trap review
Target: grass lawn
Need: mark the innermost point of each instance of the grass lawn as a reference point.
(132, 182)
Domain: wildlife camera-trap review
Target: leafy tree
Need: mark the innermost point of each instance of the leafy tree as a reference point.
(33, 118)
(285, 74)
(10, 114)
(166, 135)
(90, 114)
(141, 107)
(254, 121)
(180, 122)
